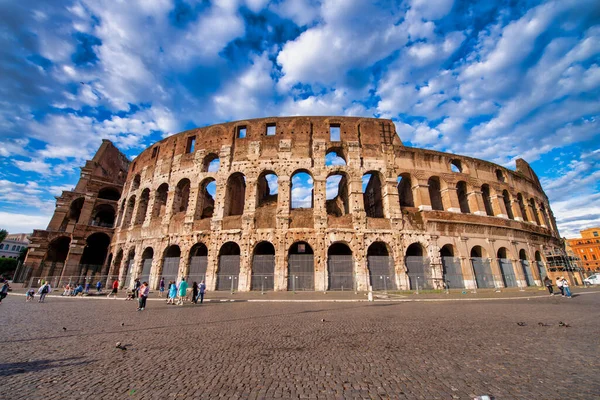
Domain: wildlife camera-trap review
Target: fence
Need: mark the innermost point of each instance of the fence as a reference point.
(59, 282)
(263, 273)
(301, 272)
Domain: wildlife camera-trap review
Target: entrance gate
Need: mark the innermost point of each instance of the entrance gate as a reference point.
(127, 283)
(483, 272)
(301, 272)
(146, 268)
(508, 273)
(170, 270)
(229, 271)
(197, 269)
(263, 270)
(541, 270)
(381, 273)
(453, 277)
(527, 272)
(419, 272)
(341, 272)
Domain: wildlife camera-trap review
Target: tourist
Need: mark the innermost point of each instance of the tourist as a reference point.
(87, 287)
(565, 286)
(161, 287)
(195, 293)
(201, 291)
(67, 290)
(182, 291)
(172, 292)
(4, 290)
(143, 292)
(136, 288)
(548, 284)
(115, 288)
(78, 290)
(559, 285)
(99, 286)
(30, 295)
(43, 291)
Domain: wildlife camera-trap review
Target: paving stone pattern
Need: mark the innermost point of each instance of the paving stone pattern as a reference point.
(450, 350)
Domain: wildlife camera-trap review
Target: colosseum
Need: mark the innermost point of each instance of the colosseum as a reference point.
(303, 203)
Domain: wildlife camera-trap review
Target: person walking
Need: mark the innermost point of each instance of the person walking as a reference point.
(4, 290)
(136, 288)
(201, 290)
(182, 291)
(172, 292)
(548, 284)
(99, 286)
(43, 291)
(566, 289)
(87, 287)
(115, 289)
(161, 287)
(195, 293)
(144, 290)
(559, 285)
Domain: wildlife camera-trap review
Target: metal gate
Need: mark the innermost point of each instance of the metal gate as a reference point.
(527, 272)
(381, 273)
(263, 270)
(229, 271)
(508, 272)
(541, 270)
(301, 272)
(419, 272)
(128, 277)
(483, 272)
(453, 277)
(146, 269)
(198, 267)
(341, 272)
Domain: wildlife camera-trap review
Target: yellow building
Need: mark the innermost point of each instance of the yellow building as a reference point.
(587, 248)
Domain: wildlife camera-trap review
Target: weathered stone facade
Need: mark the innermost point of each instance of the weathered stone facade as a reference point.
(446, 209)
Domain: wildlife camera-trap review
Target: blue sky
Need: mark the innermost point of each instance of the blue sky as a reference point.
(494, 80)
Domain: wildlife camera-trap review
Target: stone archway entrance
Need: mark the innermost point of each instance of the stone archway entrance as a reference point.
(229, 267)
(418, 268)
(301, 267)
(381, 267)
(340, 266)
(453, 276)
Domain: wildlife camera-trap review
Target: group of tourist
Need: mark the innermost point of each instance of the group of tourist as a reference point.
(561, 283)
(176, 293)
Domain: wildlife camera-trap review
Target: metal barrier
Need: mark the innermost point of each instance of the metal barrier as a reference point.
(227, 282)
(301, 272)
(263, 273)
(340, 269)
(59, 282)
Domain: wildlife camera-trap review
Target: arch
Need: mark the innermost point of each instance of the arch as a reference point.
(451, 268)
(170, 267)
(435, 194)
(205, 203)
(301, 270)
(128, 212)
(526, 267)
(58, 250)
(545, 215)
(130, 266)
(263, 267)
(235, 195)
(211, 163)
(487, 202)
(75, 209)
(540, 266)
(160, 201)
(482, 267)
(500, 175)
(405, 192)
(382, 274)
(340, 266)
(372, 194)
(181, 196)
(302, 190)
(336, 194)
(335, 157)
(506, 268)
(522, 207)
(135, 183)
(147, 258)
(142, 207)
(417, 267)
(103, 215)
(507, 204)
(94, 253)
(461, 192)
(267, 189)
(456, 166)
(229, 267)
(109, 193)
(115, 265)
(198, 263)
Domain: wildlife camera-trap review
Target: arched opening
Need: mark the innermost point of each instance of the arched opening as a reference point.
(211, 163)
(135, 183)
(418, 268)
(500, 176)
(263, 267)
(205, 204)
(75, 210)
(115, 265)
(461, 192)
(301, 268)
(456, 166)
(334, 157)
(372, 194)
(147, 257)
(94, 254)
(526, 268)
(130, 265)
(160, 201)
(435, 194)
(405, 191)
(536, 217)
(57, 253)
(381, 267)
(142, 207)
(540, 266)
(170, 269)
(267, 188)
(522, 207)
(181, 196)
(235, 195)
(482, 268)
(128, 212)
(487, 201)
(229, 267)
(340, 266)
(507, 204)
(198, 262)
(103, 215)
(109, 194)
(506, 268)
(452, 271)
(545, 216)
(302, 193)
(336, 194)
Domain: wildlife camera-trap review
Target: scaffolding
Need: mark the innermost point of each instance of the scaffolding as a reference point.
(558, 260)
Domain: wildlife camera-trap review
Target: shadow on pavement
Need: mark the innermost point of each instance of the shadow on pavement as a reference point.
(9, 369)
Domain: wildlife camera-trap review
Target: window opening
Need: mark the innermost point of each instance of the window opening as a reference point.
(241, 132)
(271, 129)
(334, 133)
(191, 143)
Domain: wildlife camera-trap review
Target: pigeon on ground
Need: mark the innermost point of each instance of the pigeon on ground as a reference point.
(560, 323)
(64, 329)
(521, 324)
(122, 323)
(322, 320)
(542, 324)
(120, 346)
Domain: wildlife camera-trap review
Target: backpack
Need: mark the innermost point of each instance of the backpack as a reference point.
(45, 289)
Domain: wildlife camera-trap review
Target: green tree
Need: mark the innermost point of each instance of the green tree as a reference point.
(3, 234)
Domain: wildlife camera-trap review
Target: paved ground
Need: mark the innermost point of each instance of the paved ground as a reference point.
(433, 350)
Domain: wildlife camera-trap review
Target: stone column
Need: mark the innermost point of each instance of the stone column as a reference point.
(421, 194)
(283, 203)
(450, 199)
(391, 199)
(466, 265)
(169, 206)
(150, 210)
(475, 198)
(497, 201)
(156, 270)
(516, 209)
(319, 196)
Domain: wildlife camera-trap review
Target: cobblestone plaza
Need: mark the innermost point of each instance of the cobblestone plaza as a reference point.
(247, 350)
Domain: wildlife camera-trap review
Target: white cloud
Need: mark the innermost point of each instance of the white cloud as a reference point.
(25, 223)
(33, 166)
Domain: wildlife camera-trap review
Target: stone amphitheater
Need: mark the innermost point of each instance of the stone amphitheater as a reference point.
(301, 203)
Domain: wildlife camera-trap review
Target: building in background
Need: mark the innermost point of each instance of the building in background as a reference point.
(13, 244)
(587, 249)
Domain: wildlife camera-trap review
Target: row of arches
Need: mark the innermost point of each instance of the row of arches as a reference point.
(103, 214)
